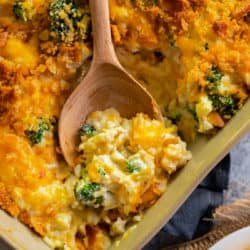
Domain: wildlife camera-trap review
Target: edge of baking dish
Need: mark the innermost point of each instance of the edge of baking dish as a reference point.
(206, 154)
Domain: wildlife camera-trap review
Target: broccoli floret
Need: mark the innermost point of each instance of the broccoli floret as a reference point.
(133, 166)
(36, 136)
(88, 130)
(214, 80)
(215, 75)
(20, 11)
(101, 171)
(84, 172)
(67, 21)
(224, 105)
(44, 124)
(86, 193)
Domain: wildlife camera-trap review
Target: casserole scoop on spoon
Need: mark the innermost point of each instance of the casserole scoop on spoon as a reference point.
(106, 85)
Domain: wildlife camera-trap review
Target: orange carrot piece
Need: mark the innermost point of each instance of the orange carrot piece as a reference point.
(216, 119)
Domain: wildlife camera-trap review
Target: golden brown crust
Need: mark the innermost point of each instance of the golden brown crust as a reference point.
(116, 34)
(33, 222)
(173, 44)
(3, 38)
(242, 10)
(6, 202)
(7, 91)
(220, 28)
(25, 218)
(7, 72)
(73, 53)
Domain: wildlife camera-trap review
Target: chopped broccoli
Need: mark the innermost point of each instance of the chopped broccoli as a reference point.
(43, 124)
(224, 105)
(65, 18)
(84, 172)
(35, 136)
(86, 193)
(101, 171)
(215, 75)
(20, 11)
(214, 79)
(192, 111)
(133, 166)
(88, 130)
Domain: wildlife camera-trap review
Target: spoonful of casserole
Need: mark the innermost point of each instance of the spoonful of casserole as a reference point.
(107, 84)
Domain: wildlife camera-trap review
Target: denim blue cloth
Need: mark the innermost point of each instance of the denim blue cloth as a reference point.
(188, 222)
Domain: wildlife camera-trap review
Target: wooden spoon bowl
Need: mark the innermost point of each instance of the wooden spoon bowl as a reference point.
(106, 85)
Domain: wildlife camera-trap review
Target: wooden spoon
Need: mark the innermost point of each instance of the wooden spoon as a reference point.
(106, 85)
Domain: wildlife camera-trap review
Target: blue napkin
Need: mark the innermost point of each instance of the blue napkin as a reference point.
(188, 223)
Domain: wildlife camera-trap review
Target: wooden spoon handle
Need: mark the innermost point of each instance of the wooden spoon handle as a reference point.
(103, 46)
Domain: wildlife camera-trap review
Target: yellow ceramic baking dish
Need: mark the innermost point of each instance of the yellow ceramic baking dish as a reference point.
(206, 153)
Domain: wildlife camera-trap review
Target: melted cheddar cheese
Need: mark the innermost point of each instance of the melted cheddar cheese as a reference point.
(192, 55)
(126, 163)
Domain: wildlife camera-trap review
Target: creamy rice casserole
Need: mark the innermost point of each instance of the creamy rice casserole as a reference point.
(192, 55)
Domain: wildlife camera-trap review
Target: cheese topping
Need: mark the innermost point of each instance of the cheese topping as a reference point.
(193, 56)
(126, 163)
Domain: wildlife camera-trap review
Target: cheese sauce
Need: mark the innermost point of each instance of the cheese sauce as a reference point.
(193, 56)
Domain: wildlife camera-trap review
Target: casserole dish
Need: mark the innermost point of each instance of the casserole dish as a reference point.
(199, 76)
(206, 154)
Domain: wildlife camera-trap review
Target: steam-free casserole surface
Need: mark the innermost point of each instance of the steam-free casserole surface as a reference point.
(203, 161)
(193, 56)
